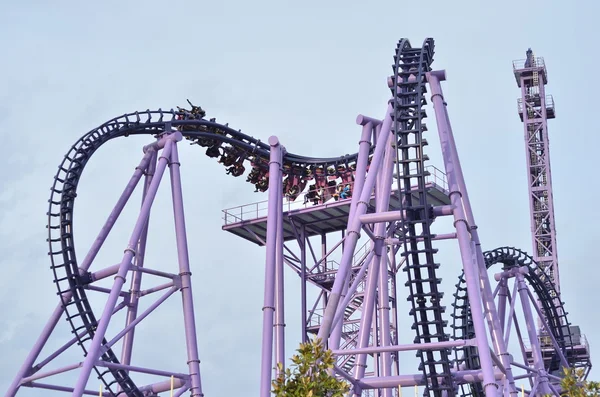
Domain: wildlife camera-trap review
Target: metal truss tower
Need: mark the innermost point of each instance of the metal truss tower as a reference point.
(535, 108)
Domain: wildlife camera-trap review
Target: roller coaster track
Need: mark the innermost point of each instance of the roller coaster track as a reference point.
(70, 282)
(234, 149)
(408, 88)
(544, 288)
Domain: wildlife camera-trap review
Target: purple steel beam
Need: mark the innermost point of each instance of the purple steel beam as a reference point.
(353, 230)
(39, 344)
(495, 327)
(468, 376)
(136, 279)
(368, 322)
(279, 289)
(352, 289)
(538, 361)
(275, 175)
(186, 275)
(61, 388)
(138, 319)
(383, 296)
(94, 348)
(303, 304)
(467, 249)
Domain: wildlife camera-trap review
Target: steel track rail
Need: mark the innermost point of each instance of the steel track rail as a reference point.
(408, 89)
(542, 285)
(64, 262)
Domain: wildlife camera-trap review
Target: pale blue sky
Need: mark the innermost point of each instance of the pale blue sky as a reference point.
(298, 70)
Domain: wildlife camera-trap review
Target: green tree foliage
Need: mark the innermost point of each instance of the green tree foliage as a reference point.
(309, 374)
(572, 386)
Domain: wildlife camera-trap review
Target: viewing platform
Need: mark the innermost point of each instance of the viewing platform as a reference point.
(250, 221)
(536, 101)
(521, 68)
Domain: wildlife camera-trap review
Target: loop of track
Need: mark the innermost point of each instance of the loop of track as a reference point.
(542, 285)
(242, 149)
(67, 276)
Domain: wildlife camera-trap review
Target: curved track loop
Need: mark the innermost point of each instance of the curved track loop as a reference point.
(409, 88)
(233, 148)
(509, 257)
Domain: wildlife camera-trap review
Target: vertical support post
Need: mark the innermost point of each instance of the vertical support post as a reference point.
(275, 175)
(538, 361)
(362, 161)
(136, 279)
(303, 307)
(279, 292)
(468, 254)
(496, 328)
(353, 228)
(94, 351)
(186, 276)
(379, 265)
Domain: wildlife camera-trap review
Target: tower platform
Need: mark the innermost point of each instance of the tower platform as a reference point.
(250, 221)
(523, 68)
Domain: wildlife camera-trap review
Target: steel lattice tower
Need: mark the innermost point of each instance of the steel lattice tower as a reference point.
(535, 108)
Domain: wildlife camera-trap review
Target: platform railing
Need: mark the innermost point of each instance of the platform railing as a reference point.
(538, 62)
(549, 103)
(259, 209)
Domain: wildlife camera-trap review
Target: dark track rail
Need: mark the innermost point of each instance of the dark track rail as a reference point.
(408, 89)
(233, 149)
(509, 257)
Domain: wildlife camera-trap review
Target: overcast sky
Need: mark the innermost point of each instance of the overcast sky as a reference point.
(298, 70)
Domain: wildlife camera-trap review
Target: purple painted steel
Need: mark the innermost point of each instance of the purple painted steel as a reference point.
(185, 274)
(60, 388)
(377, 274)
(408, 347)
(469, 376)
(112, 218)
(275, 177)
(352, 289)
(136, 279)
(66, 297)
(303, 297)
(467, 249)
(541, 201)
(353, 233)
(279, 291)
(538, 361)
(388, 216)
(94, 350)
(495, 327)
(139, 318)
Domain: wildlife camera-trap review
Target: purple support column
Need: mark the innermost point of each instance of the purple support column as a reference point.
(502, 295)
(494, 325)
(538, 361)
(185, 273)
(468, 254)
(274, 212)
(279, 292)
(303, 307)
(94, 348)
(59, 310)
(377, 273)
(136, 279)
(353, 229)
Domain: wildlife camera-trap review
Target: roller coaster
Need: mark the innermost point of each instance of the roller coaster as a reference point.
(382, 200)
